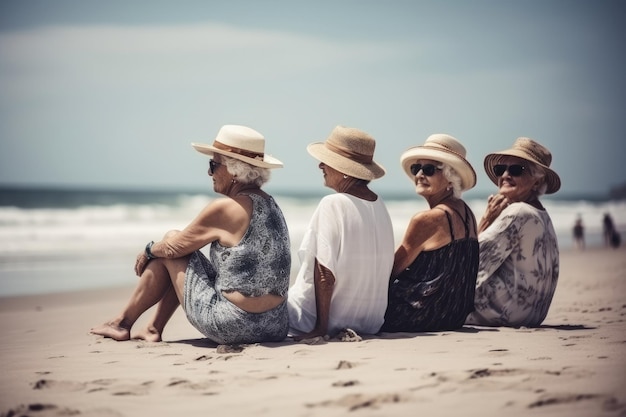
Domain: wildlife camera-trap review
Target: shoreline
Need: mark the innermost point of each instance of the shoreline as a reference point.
(573, 365)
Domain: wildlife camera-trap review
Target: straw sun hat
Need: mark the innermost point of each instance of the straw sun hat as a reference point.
(445, 149)
(528, 150)
(349, 151)
(240, 142)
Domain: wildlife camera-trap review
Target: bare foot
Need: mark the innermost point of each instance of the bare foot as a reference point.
(112, 330)
(149, 334)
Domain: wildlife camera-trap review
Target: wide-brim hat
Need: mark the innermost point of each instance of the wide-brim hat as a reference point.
(529, 150)
(445, 149)
(240, 142)
(349, 151)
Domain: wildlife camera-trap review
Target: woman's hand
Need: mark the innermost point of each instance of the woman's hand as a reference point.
(141, 263)
(312, 334)
(495, 205)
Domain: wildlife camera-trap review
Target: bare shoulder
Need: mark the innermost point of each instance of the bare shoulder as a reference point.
(426, 223)
(226, 209)
(428, 218)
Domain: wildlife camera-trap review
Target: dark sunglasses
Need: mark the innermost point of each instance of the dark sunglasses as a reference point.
(428, 169)
(514, 170)
(213, 166)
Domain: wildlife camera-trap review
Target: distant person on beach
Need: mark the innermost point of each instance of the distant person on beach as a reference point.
(579, 233)
(433, 279)
(519, 252)
(611, 236)
(346, 254)
(237, 294)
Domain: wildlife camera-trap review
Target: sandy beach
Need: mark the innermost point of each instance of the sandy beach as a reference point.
(574, 365)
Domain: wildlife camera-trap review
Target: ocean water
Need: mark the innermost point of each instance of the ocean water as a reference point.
(62, 240)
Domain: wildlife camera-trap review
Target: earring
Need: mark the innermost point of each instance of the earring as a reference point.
(234, 181)
(345, 176)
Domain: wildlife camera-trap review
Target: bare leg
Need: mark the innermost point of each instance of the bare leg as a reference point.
(156, 283)
(165, 309)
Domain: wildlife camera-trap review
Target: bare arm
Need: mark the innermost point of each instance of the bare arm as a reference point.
(225, 220)
(324, 285)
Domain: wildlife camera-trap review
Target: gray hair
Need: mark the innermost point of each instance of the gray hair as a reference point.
(455, 179)
(538, 174)
(246, 173)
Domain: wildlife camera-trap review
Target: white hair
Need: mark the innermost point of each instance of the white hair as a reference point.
(455, 179)
(246, 173)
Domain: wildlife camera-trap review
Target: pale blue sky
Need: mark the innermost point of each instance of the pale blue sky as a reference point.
(110, 94)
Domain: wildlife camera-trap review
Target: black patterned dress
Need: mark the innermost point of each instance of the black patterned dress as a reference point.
(436, 292)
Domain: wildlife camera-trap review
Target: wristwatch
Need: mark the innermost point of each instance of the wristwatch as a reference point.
(149, 254)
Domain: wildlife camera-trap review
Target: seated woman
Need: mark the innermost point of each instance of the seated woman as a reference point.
(519, 252)
(238, 294)
(347, 250)
(434, 272)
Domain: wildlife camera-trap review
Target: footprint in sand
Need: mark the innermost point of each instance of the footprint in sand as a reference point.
(345, 365)
(345, 383)
(52, 410)
(485, 372)
(59, 385)
(609, 403)
(357, 401)
(36, 408)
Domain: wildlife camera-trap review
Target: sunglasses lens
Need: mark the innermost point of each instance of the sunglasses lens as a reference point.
(516, 170)
(499, 170)
(427, 169)
(415, 168)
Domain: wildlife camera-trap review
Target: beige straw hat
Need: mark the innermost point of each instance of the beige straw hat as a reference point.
(528, 150)
(349, 151)
(240, 142)
(445, 149)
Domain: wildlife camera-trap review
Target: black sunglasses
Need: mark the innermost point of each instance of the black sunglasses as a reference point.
(213, 166)
(514, 170)
(428, 169)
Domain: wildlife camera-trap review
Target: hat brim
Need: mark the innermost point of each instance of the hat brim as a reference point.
(345, 165)
(268, 161)
(453, 159)
(553, 181)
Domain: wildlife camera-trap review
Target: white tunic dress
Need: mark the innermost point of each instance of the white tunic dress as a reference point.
(353, 238)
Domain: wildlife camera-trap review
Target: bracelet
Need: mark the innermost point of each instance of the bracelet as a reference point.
(149, 254)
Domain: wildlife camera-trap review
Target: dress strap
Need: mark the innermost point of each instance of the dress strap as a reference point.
(449, 222)
(464, 219)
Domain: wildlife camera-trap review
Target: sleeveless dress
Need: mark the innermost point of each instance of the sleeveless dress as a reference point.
(259, 264)
(436, 292)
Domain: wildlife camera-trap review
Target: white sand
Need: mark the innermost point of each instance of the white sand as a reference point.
(574, 365)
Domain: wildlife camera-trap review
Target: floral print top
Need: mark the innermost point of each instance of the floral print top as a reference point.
(518, 269)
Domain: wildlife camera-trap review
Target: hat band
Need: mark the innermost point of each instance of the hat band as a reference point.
(239, 151)
(355, 156)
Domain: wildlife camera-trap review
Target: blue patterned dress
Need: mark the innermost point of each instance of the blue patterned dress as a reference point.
(260, 264)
